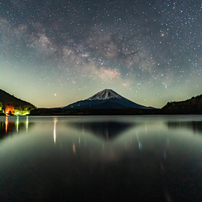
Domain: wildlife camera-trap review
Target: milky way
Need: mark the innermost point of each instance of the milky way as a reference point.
(55, 52)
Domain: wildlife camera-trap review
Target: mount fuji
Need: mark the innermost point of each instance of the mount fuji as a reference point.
(106, 99)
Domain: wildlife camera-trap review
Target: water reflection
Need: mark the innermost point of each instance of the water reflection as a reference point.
(145, 161)
(17, 123)
(6, 124)
(27, 123)
(13, 125)
(54, 130)
(74, 148)
(106, 130)
(195, 126)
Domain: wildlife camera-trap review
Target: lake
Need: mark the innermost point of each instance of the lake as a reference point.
(101, 158)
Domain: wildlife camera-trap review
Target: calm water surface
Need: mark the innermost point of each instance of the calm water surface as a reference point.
(101, 158)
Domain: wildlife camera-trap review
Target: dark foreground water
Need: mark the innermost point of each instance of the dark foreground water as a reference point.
(107, 158)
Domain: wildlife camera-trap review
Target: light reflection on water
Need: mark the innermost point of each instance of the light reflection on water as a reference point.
(6, 124)
(107, 158)
(12, 124)
(54, 130)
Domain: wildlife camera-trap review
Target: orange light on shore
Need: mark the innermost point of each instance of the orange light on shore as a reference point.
(9, 109)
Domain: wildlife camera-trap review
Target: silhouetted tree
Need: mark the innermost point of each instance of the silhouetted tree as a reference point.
(1, 106)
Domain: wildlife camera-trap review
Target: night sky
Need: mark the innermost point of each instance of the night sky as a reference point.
(55, 52)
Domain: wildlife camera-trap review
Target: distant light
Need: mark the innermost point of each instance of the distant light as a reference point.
(21, 113)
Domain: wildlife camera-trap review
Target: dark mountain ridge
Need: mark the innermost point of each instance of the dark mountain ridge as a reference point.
(9, 104)
(104, 106)
(193, 105)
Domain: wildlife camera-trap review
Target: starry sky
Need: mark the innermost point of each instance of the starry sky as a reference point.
(56, 52)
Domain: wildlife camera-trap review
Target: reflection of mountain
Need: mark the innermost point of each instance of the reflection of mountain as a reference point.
(106, 130)
(8, 128)
(196, 126)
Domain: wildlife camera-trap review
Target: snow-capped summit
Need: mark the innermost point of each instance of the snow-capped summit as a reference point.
(105, 95)
(106, 99)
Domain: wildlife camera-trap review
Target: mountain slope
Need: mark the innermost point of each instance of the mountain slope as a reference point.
(105, 95)
(11, 104)
(193, 105)
(106, 99)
